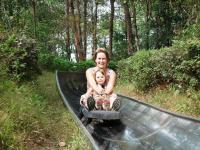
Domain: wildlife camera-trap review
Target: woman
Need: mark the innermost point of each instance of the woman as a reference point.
(101, 59)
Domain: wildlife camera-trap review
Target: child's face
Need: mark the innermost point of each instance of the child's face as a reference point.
(100, 78)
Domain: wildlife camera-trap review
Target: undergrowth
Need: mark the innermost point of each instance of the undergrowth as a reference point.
(32, 116)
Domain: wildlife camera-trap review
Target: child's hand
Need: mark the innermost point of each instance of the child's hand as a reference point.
(97, 97)
(99, 90)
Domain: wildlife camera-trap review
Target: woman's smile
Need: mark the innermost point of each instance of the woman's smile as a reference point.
(101, 60)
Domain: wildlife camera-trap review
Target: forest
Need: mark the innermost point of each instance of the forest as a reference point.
(154, 47)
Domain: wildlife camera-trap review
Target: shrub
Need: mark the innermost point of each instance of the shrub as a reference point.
(136, 69)
(82, 66)
(188, 71)
(62, 64)
(20, 57)
(124, 71)
(45, 60)
(113, 65)
(178, 65)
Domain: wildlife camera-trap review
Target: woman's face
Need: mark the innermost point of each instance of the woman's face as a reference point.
(101, 60)
(100, 78)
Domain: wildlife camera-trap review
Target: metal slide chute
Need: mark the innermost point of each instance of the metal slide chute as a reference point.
(141, 126)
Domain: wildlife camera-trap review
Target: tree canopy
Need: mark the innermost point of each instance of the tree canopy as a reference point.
(121, 26)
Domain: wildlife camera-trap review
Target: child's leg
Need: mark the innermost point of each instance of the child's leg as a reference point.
(114, 102)
(90, 103)
(98, 102)
(83, 100)
(106, 104)
(87, 101)
(112, 98)
(116, 105)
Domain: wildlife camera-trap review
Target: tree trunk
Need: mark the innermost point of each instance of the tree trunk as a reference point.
(148, 15)
(135, 30)
(34, 16)
(80, 43)
(1, 8)
(111, 26)
(129, 28)
(95, 28)
(85, 29)
(67, 42)
(158, 33)
(74, 29)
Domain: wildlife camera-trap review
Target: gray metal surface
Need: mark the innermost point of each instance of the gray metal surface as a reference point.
(141, 127)
(101, 114)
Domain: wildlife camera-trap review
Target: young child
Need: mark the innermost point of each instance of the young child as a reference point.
(102, 101)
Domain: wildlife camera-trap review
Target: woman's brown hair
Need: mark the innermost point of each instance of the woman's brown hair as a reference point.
(101, 50)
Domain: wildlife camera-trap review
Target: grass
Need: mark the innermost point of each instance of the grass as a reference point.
(32, 116)
(184, 103)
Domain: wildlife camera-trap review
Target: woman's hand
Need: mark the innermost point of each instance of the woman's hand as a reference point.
(99, 89)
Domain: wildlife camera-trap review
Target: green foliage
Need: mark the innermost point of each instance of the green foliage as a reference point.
(194, 104)
(191, 32)
(119, 45)
(62, 64)
(53, 62)
(45, 60)
(189, 103)
(178, 65)
(82, 66)
(187, 72)
(20, 57)
(135, 69)
(124, 71)
(7, 128)
(112, 65)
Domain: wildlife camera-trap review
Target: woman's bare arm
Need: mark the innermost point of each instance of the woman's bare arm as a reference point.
(92, 82)
(89, 91)
(111, 83)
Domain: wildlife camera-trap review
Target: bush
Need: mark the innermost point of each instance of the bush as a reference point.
(20, 57)
(45, 60)
(178, 65)
(113, 65)
(136, 69)
(83, 66)
(124, 71)
(62, 64)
